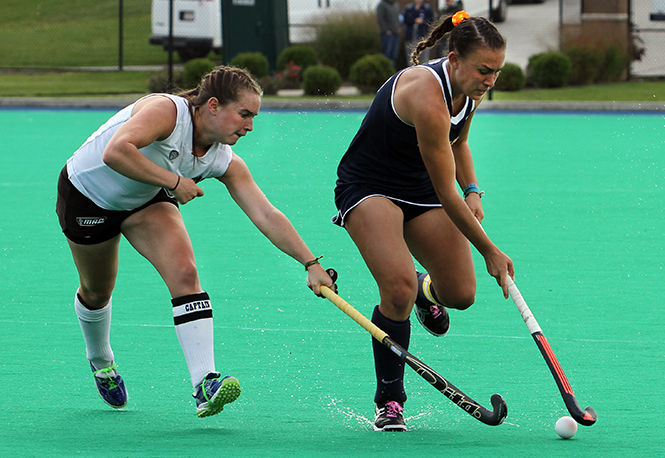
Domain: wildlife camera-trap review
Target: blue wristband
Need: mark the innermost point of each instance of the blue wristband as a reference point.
(472, 188)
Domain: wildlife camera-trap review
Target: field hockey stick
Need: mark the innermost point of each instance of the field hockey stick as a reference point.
(584, 417)
(449, 390)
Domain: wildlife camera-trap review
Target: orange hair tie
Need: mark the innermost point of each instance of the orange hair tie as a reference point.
(459, 17)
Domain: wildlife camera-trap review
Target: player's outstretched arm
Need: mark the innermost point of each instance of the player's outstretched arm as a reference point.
(271, 221)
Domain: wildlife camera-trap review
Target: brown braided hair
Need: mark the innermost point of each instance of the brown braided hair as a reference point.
(464, 37)
(224, 83)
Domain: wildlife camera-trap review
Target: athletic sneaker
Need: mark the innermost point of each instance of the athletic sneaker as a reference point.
(110, 386)
(388, 417)
(433, 317)
(215, 391)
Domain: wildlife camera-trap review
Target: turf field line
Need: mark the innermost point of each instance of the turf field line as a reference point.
(329, 331)
(170, 326)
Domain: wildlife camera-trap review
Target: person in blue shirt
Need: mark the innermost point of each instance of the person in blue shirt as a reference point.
(388, 21)
(417, 17)
(397, 195)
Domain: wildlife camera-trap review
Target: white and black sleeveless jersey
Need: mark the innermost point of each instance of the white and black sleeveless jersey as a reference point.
(113, 191)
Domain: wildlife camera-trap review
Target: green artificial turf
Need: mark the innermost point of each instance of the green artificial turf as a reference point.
(575, 200)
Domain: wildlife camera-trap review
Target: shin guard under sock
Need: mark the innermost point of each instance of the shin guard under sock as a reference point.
(192, 316)
(389, 367)
(96, 329)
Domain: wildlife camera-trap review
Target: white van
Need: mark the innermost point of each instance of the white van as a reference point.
(197, 24)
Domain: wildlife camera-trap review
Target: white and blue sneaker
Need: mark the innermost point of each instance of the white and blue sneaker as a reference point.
(432, 316)
(110, 385)
(214, 392)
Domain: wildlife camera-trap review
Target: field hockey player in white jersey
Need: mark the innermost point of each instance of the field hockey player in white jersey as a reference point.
(128, 179)
(398, 195)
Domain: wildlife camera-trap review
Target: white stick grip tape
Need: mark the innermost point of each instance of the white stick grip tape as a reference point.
(519, 301)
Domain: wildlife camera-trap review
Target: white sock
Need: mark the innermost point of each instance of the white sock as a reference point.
(192, 315)
(96, 329)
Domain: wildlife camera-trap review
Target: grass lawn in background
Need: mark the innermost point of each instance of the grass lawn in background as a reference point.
(71, 33)
(66, 84)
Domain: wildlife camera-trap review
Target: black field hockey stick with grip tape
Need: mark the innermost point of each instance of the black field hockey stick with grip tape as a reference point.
(464, 402)
(584, 417)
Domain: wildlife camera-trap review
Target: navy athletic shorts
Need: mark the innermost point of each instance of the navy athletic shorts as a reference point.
(348, 196)
(85, 223)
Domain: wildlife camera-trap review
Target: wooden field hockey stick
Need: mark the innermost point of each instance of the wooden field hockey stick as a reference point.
(584, 417)
(449, 390)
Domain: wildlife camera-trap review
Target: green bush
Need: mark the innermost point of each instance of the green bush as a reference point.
(615, 63)
(321, 80)
(370, 72)
(529, 69)
(511, 78)
(342, 39)
(585, 63)
(194, 70)
(290, 77)
(159, 82)
(301, 55)
(254, 62)
(550, 69)
(269, 85)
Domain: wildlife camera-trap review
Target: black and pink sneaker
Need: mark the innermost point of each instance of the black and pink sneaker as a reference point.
(432, 316)
(388, 417)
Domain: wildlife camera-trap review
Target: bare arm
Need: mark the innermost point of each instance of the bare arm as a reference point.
(432, 122)
(465, 171)
(270, 221)
(153, 119)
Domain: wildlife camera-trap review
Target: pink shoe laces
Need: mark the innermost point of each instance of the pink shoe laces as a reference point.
(393, 409)
(435, 311)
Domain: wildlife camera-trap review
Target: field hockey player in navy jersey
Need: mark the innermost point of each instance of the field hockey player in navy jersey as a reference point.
(407, 188)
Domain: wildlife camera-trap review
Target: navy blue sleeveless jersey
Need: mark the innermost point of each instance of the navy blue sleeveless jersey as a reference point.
(384, 159)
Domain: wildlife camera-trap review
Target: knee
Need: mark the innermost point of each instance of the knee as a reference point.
(187, 274)
(455, 293)
(400, 293)
(462, 300)
(184, 276)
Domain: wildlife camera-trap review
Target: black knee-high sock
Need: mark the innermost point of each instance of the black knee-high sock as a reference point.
(389, 367)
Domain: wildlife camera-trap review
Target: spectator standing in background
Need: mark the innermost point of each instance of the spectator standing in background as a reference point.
(451, 7)
(417, 18)
(388, 19)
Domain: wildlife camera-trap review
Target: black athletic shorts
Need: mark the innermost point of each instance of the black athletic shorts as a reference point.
(347, 197)
(85, 223)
